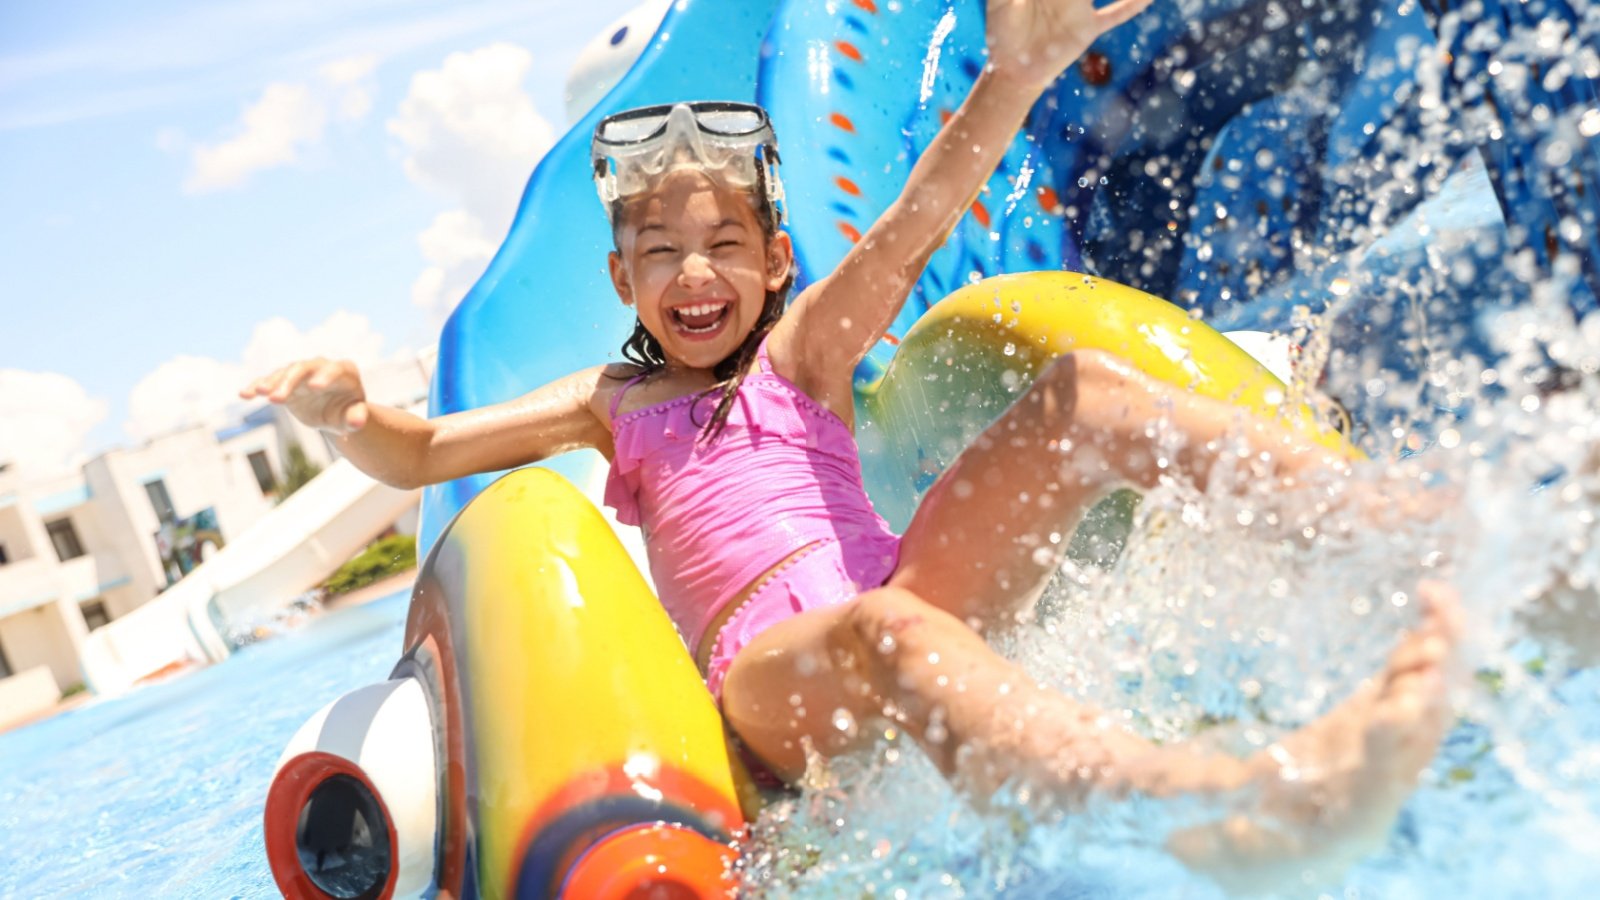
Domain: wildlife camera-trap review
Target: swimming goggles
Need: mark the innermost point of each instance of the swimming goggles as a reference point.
(732, 141)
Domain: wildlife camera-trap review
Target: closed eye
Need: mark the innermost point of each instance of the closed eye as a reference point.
(663, 248)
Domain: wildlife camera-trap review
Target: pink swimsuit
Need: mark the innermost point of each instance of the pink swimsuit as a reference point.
(784, 474)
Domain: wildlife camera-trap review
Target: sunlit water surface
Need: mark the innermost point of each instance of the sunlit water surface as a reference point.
(160, 793)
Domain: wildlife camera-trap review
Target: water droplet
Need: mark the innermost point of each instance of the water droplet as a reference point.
(844, 722)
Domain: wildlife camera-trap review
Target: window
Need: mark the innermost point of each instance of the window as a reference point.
(161, 500)
(94, 613)
(258, 465)
(65, 537)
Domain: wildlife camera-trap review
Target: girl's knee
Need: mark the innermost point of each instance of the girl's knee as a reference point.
(880, 618)
(1088, 369)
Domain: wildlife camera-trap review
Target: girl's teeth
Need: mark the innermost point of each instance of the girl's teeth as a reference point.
(700, 311)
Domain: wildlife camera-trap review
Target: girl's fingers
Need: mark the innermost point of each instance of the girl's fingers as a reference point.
(320, 392)
(286, 382)
(1115, 14)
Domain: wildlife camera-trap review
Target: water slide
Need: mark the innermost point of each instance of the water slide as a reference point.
(1248, 160)
(290, 550)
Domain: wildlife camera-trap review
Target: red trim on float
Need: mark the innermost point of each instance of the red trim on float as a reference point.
(653, 861)
(428, 631)
(291, 789)
(674, 784)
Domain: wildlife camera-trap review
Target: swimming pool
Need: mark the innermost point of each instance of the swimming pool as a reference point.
(159, 793)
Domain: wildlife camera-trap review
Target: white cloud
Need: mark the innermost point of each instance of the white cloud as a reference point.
(195, 390)
(454, 238)
(469, 131)
(287, 119)
(352, 85)
(48, 417)
(344, 335)
(456, 247)
(181, 392)
(271, 133)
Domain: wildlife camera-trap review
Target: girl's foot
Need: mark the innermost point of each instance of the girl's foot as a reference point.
(1332, 790)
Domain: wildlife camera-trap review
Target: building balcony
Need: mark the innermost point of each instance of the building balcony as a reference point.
(37, 581)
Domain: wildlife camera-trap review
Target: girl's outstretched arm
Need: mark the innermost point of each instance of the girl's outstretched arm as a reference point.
(408, 451)
(833, 324)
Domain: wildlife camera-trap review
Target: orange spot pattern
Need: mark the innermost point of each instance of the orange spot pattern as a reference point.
(868, 5)
(848, 186)
(891, 340)
(848, 50)
(841, 122)
(981, 213)
(945, 116)
(849, 231)
(1050, 201)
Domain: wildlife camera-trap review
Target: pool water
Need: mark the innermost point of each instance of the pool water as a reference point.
(160, 793)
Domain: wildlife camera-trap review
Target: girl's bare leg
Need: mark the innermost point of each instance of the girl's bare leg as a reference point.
(1085, 427)
(826, 678)
(823, 678)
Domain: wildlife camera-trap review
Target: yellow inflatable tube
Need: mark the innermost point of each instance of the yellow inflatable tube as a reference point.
(591, 750)
(976, 351)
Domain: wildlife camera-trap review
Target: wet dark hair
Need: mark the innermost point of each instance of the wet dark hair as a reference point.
(643, 350)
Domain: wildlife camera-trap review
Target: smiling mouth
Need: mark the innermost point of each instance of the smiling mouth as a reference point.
(701, 318)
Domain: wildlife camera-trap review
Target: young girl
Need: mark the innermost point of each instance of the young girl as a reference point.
(730, 441)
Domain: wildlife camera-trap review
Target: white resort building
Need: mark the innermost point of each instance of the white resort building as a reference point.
(83, 549)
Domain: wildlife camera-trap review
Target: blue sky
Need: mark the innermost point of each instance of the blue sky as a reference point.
(193, 190)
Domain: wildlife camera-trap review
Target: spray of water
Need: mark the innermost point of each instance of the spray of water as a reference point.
(1235, 615)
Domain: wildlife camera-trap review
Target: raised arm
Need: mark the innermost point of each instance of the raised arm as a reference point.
(837, 320)
(407, 451)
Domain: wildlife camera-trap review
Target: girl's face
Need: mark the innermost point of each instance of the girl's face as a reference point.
(693, 262)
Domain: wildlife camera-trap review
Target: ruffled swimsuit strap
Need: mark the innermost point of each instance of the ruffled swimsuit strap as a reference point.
(616, 399)
(763, 361)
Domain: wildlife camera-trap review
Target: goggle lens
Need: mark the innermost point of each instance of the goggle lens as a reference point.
(732, 122)
(718, 120)
(630, 131)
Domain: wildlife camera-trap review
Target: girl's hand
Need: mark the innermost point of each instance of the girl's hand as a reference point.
(322, 393)
(1032, 41)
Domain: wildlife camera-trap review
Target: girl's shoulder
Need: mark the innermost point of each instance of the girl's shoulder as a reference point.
(624, 388)
(611, 381)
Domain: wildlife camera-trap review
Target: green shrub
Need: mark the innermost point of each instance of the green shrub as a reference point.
(384, 557)
(297, 472)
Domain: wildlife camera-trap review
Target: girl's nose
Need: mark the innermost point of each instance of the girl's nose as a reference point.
(696, 271)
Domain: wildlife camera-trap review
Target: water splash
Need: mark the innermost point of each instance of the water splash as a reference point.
(1234, 615)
